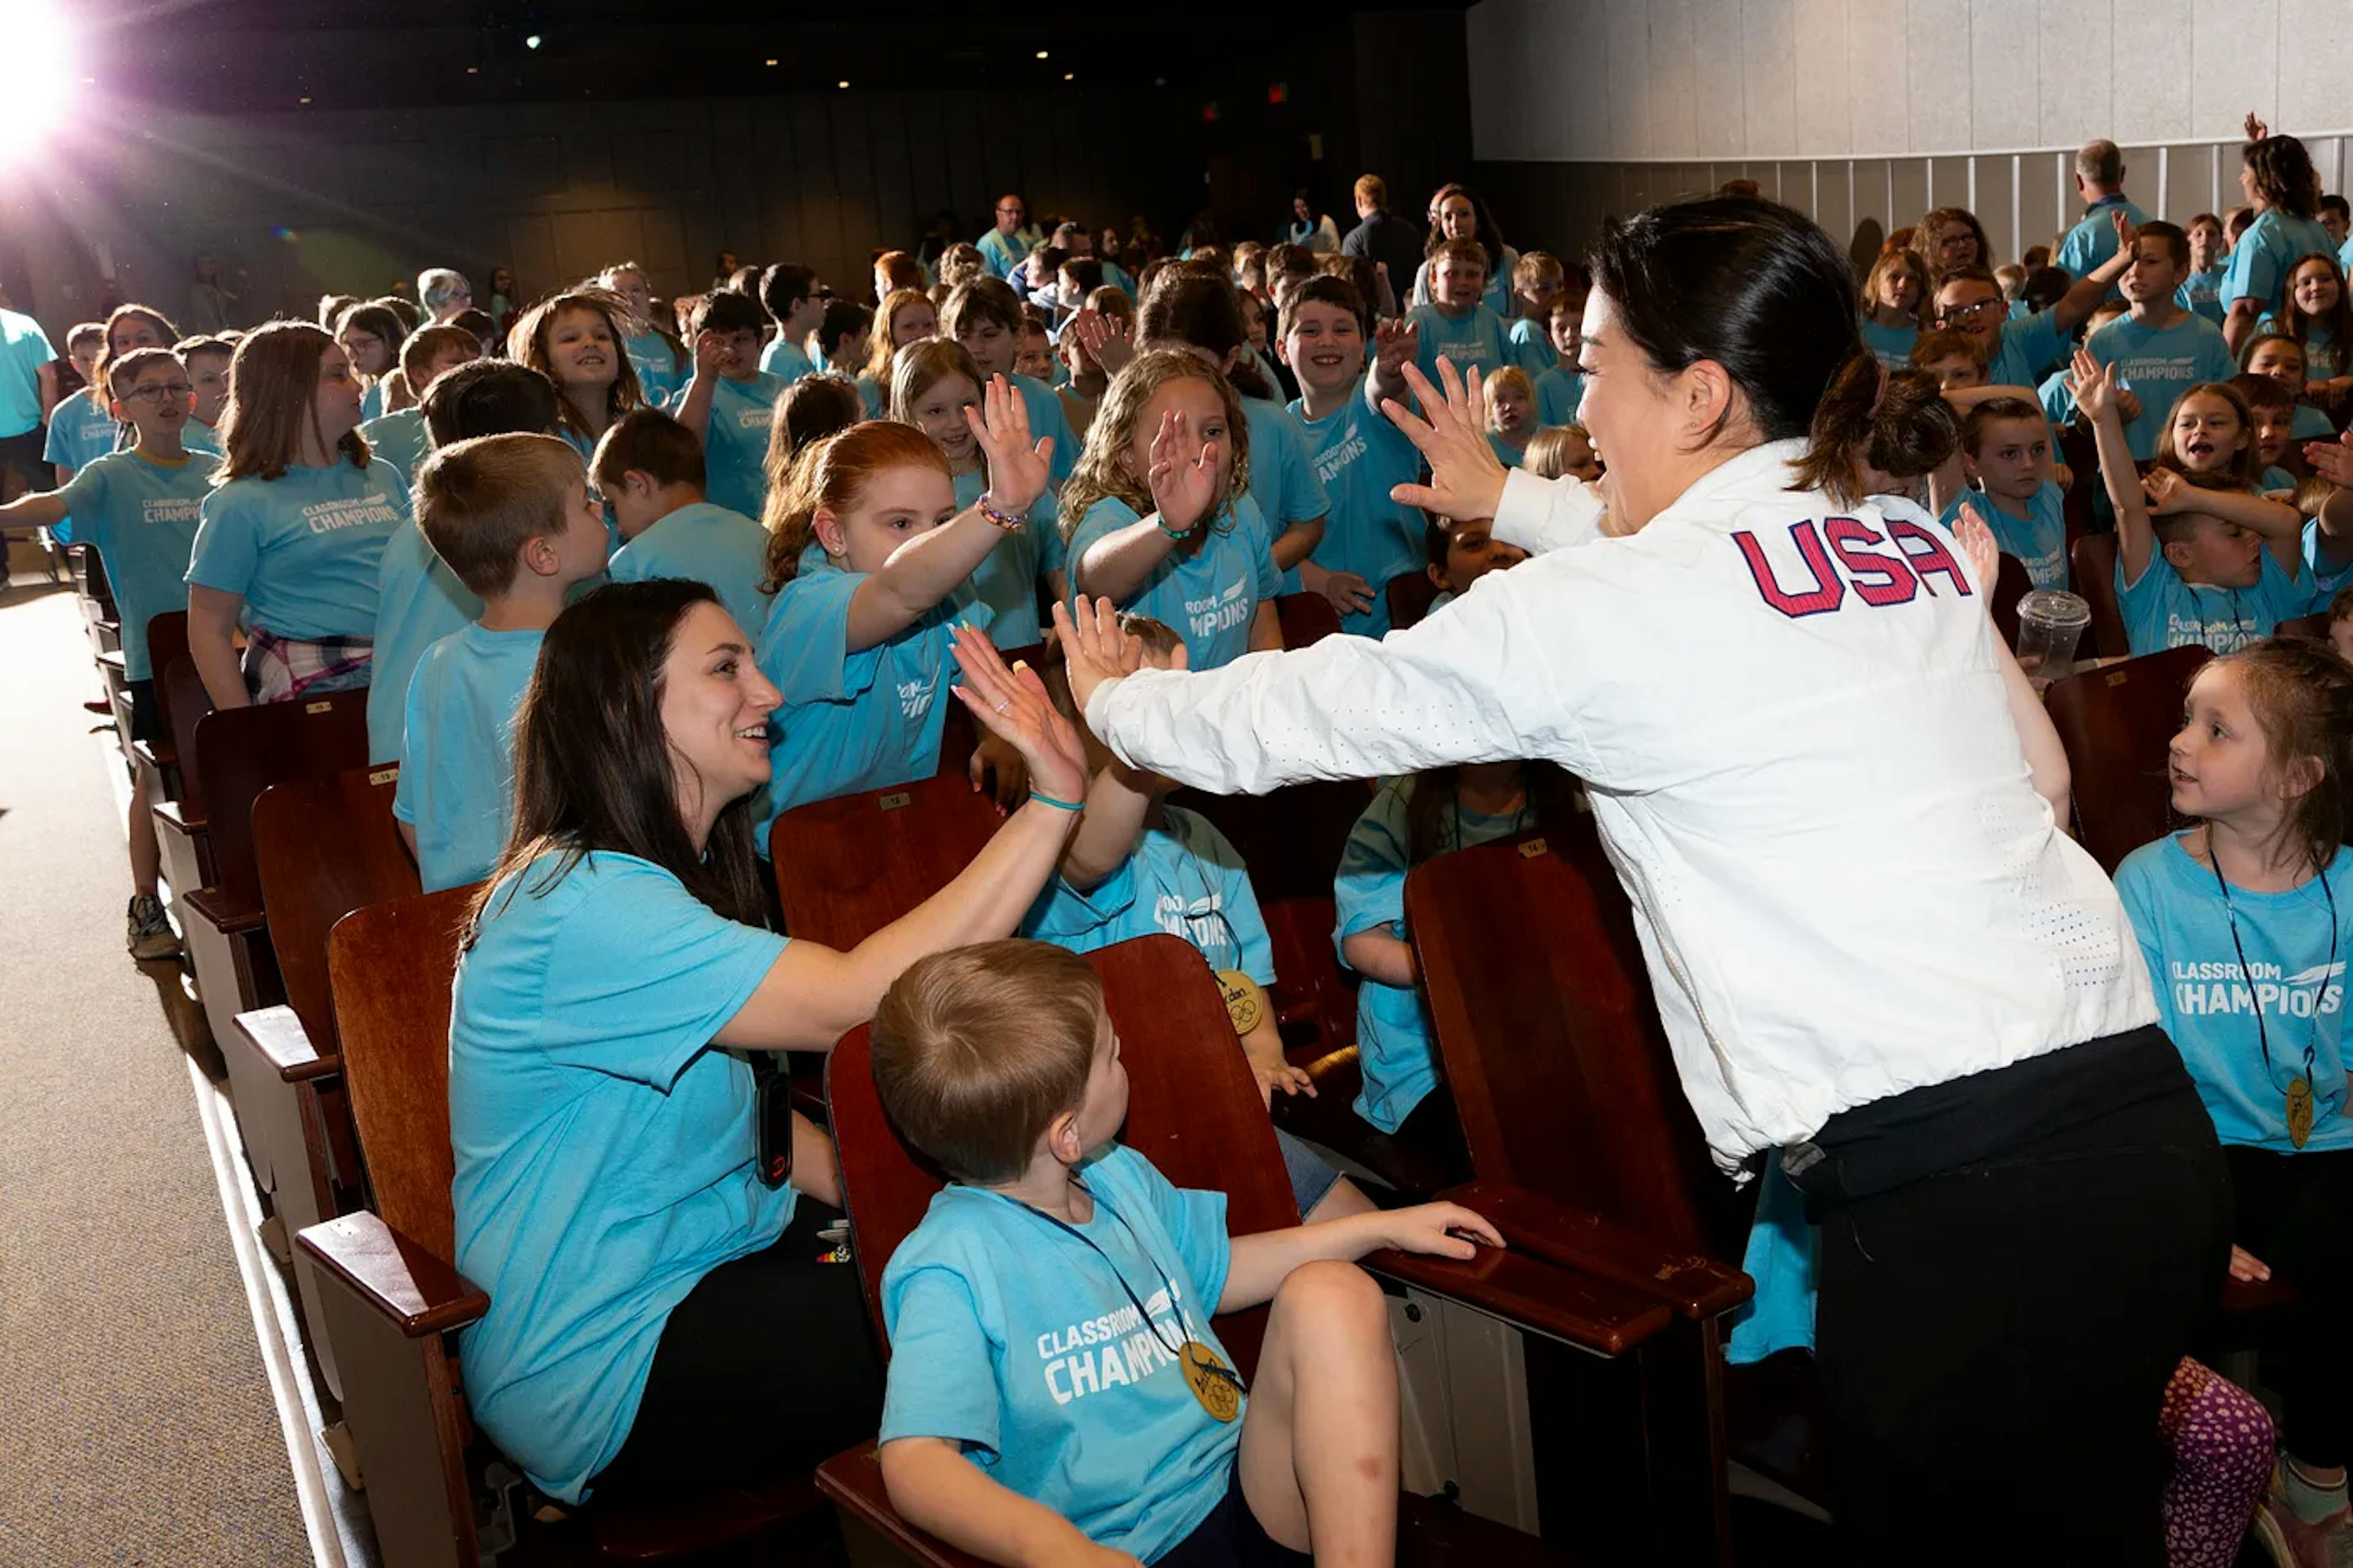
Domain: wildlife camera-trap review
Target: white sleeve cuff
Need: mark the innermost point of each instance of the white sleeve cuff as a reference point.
(1097, 708)
(1539, 514)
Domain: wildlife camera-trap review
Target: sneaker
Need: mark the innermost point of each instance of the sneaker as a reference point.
(151, 935)
(2293, 1543)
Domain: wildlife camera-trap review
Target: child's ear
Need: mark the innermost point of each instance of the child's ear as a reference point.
(540, 556)
(1063, 1140)
(2300, 777)
(2177, 554)
(1970, 465)
(1233, 358)
(831, 537)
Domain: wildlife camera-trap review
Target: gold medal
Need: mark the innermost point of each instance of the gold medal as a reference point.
(2299, 1111)
(1245, 1000)
(1213, 1383)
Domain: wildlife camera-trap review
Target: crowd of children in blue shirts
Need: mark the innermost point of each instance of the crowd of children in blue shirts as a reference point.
(410, 502)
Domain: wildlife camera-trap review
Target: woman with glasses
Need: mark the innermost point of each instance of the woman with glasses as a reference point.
(1950, 237)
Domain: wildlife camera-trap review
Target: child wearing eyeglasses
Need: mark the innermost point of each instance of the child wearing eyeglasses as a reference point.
(2018, 351)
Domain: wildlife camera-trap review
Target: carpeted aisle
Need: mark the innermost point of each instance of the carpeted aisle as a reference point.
(136, 1424)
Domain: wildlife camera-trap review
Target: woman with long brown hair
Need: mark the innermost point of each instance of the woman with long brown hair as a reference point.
(291, 537)
(647, 1217)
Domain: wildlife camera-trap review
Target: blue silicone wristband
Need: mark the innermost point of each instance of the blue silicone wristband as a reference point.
(1058, 805)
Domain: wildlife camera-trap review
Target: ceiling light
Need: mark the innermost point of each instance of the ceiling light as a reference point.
(1041, 54)
(531, 42)
(1070, 76)
(772, 62)
(842, 85)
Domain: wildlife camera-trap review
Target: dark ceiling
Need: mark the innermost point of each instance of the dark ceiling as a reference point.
(248, 56)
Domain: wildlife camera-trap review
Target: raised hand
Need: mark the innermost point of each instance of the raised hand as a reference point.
(1183, 492)
(1430, 1227)
(1017, 470)
(1466, 478)
(1976, 542)
(709, 350)
(2256, 129)
(1396, 344)
(1012, 704)
(2127, 233)
(2246, 1266)
(2092, 384)
(1095, 647)
(2331, 460)
(2167, 492)
(1105, 339)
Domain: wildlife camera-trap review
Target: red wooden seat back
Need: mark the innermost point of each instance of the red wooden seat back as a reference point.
(2312, 626)
(1193, 1111)
(1543, 1016)
(2115, 723)
(1307, 619)
(848, 866)
(2010, 585)
(324, 848)
(2080, 452)
(186, 702)
(240, 752)
(1410, 594)
(1292, 839)
(167, 639)
(2092, 559)
(393, 967)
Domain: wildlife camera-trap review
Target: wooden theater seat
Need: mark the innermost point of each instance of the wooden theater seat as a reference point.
(1194, 1112)
(1410, 594)
(2115, 723)
(2010, 585)
(2313, 626)
(848, 866)
(2092, 571)
(167, 640)
(181, 833)
(1307, 619)
(391, 1296)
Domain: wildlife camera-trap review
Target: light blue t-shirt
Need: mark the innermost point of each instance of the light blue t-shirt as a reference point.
(2309, 423)
(2058, 402)
(2208, 1007)
(80, 433)
(2158, 365)
(1283, 481)
(1559, 395)
(2326, 576)
(2094, 239)
(1047, 418)
(2161, 611)
(198, 437)
(1006, 582)
(1393, 1044)
(1495, 297)
(1782, 1257)
(1211, 598)
(2266, 253)
(1183, 878)
(655, 364)
(735, 443)
(419, 601)
(140, 514)
(1531, 344)
(2030, 346)
(23, 349)
(304, 549)
(2202, 292)
(2039, 540)
(1475, 338)
(1002, 254)
(372, 401)
(870, 393)
(605, 1151)
(400, 440)
(1891, 346)
(456, 751)
(1358, 455)
(1022, 1344)
(786, 361)
(703, 543)
(852, 721)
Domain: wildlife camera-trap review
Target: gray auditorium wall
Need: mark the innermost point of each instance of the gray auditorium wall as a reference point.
(1566, 93)
(353, 201)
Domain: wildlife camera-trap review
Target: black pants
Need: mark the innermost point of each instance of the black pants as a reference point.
(766, 1368)
(2013, 1265)
(2295, 1213)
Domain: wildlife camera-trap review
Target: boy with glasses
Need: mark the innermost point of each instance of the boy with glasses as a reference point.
(2020, 350)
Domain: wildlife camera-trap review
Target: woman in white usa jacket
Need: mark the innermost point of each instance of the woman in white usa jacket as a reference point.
(1872, 946)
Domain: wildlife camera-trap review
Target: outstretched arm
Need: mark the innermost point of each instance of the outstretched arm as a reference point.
(2093, 387)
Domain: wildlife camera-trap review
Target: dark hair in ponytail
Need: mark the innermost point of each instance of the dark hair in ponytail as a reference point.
(1897, 421)
(1759, 288)
(1206, 312)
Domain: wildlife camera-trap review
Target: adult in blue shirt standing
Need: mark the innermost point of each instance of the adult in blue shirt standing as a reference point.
(627, 1188)
(1005, 248)
(2276, 175)
(28, 384)
(2100, 181)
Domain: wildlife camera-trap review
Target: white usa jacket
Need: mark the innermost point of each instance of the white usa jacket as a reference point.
(1800, 758)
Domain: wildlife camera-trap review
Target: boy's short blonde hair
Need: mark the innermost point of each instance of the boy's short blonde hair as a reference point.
(1548, 453)
(978, 1050)
(479, 501)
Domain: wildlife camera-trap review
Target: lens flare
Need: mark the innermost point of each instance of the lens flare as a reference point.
(37, 100)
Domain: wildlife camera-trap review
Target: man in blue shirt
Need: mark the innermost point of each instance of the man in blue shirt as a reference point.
(28, 384)
(2100, 181)
(1005, 248)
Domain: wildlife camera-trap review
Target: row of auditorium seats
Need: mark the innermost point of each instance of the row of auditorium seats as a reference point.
(328, 978)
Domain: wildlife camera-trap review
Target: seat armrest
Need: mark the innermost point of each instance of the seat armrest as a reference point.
(399, 1277)
(111, 659)
(854, 1481)
(224, 915)
(278, 1034)
(1597, 1314)
(1570, 1237)
(173, 817)
(156, 754)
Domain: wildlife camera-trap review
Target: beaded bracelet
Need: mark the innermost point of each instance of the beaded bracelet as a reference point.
(1006, 520)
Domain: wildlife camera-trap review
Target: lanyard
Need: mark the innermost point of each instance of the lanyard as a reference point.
(2320, 986)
